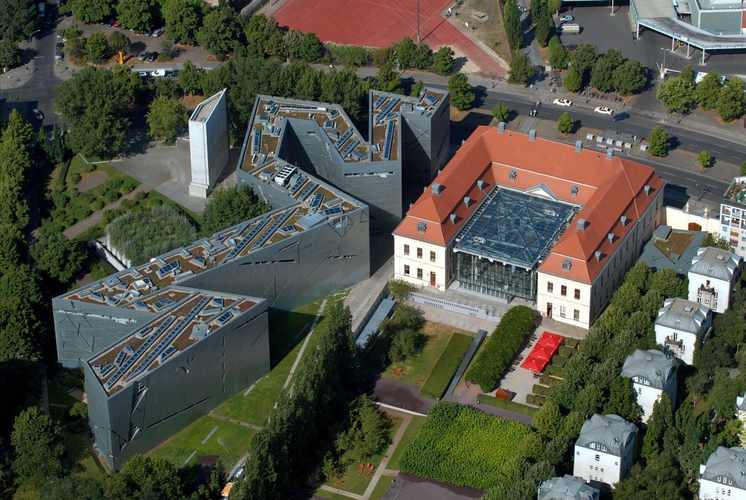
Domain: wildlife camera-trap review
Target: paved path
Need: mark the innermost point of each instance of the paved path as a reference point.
(91, 182)
(95, 218)
(237, 422)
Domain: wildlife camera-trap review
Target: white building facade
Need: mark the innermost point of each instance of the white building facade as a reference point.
(604, 449)
(652, 373)
(209, 146)
(712, 276)
(732, 226)
(723, 477)
(680, 327)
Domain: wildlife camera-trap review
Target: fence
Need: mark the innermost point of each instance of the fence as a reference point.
(453, 307)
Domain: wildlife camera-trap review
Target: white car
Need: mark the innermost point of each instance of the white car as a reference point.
(566, 17)
(603, 110)
(563, 102)
(38, 114)
(158, 72)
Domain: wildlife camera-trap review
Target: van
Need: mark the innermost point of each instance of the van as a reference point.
(569, 29)
(158, 72)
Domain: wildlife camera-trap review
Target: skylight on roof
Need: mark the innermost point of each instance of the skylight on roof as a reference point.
(688, 308)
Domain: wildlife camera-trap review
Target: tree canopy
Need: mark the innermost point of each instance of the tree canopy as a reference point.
(658, 142)
(732, 101)
(677, 94)
(228, 207)
(38, 448)
(521, 69)
(183, 19)
(220, 31)
(17, 19)
(58, 256)
(462, 95)
(166, 118)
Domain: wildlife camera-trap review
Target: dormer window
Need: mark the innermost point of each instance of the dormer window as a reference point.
(513, 174)
(566, 265)
(421, 227)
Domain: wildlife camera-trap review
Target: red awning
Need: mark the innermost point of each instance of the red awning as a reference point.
(534, 364)
(542, 352)
(550, 339)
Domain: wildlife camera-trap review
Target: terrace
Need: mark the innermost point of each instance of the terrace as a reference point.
(191, 316)
(736, 193)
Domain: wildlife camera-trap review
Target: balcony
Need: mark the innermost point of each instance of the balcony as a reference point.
(674, 342)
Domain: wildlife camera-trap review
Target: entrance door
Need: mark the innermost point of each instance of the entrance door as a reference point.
(432, 278)
(549, 309)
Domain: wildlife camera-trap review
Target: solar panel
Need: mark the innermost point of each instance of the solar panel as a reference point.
(294, 189)
(350, 147)
(169, 268)
(106, 369)
(257, 141)
(343, 139)
(218, 302)
(111, 281)
(391, 115)
(168, 353)
(288, 230)
(97, 297)
(307, 192)
(385, 111)
(268, 234)
(359, 156)
(316, 202)
(111, 301)
(389, 141)
(379, 101)
(159, 305)
(199, 261)
(333, 135)
(274, 110)
(333, 202)
(332, 211)
(144, 332)
(269, 105)
(431, 100)
(328, 125)
(224, 318)
(237, 249)
(128, 350)
(263, 118)
(120, 358)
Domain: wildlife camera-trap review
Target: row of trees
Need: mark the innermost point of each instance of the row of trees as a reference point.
(607, 73)
(681, 93)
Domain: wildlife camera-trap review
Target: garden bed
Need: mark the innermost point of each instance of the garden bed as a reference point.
(445, 368)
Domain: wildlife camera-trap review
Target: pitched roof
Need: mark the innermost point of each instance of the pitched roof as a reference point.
(606, 189)
(611, 431)
(683, 315)
(729, 463)
(567, 488)
(652, 365)
(715, 263)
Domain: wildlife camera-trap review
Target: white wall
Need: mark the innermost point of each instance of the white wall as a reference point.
(679, 219)
(438, 267)
(209, 148)
(722, 288)
(689, 340)
(607, 469)
(711, 490)
(568, 301)
(647, 396)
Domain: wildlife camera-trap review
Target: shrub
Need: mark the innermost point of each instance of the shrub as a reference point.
(540, 389)
(566, 351)
(571, 342)
(545, 379)
(400, 289)
(114, 183)
(505, 341)
(557, 371)
(86, 198)
(75, 178)
(141, 195)
(127, 204)
(63, 172)
(97, 205)
(89, 167)
(128, 187)
(533, 399)
(559, 360)
(110, 196)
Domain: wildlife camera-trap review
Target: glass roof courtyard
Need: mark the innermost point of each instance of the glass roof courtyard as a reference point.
(515, 228)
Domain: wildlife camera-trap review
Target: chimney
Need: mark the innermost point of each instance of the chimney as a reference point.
(623, 218)
(646, 187)
(582, 224)
(501, 127)
(578, 146)
(598, 255)
(437, 189)
(609, 154)
(467, 201)
(480, 184)
(532, 135)
(453, 219)
(611, 238)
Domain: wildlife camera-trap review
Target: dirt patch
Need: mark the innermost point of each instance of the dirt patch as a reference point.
(490, 28)
(191, 101)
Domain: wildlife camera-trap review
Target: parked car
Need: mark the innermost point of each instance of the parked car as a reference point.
(153, 56)
(59, 55)
(619, 117)
(603, 110)
(58, 46)
(566, 17)
(143, 55)
(158, 72)
(116, 23)
(109, 21)
(158, 32)
(147, 33)
(38, 114)
(562, 102)
(172, 73)
(144, 74)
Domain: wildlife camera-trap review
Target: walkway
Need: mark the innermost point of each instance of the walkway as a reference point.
(95, 218)
(237, 422)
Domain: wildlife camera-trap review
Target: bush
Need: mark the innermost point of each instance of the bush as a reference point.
(571, 342)
(533, 399)
(110, 196)
(63, 172)
(114, 183)
(128, 187)
(463, 446)
(97, 205)
(540, 390)
(557, 371)
(545, 379)
(559, 360)
(127, 204)
(89, 167)
(566, 351)
(505, 341)
(400, 289)
(141, 195)
(75, 178)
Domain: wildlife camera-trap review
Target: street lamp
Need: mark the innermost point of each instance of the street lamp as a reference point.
(663, 69)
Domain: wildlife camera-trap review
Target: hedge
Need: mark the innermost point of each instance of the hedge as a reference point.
(533, 399)
(63, 171)
(557, 371)
(445, 368)
(502, 346)
(540, 390)
(463, 446)
(567, 351)
(571, 342)
(559, 360)
(507, 405)
(545, 379)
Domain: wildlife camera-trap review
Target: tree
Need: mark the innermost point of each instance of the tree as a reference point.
(583, 59)
(565, 125)
(602, 74)
(462, 96)
(573, 80)
(183, 18)
(660, 479)
(17, 19)
(667, 282)
(135, 15)
(708, 91)
(512, 24)
(368, 432)
(417, 88)
(220, 31)
(544, 24)
(228, 207)
(676, 94)
(97, 48)
(558, 54)
(658, 142)
(630, 77)
(190, 78)
(38, 448)
(10, 55)
(58, 150)
(400, 289)
(521, 69)
(704, 159)
(443, 61)
(500, 112)
(119, 42)
(154, 474)
(11, 247)
(388, 80)
(310, 49)
(554, 6)
(72, 487)
(732, 100)
(166, 118)
(167, 51)
(58, 256)
(548, 420)
(623, 400)
(292, 40)
(626, 298)
(90, 11)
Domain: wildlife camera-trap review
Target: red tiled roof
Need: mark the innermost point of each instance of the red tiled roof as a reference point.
(607, 189)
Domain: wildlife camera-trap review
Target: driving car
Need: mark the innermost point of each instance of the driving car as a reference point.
(153, 56)
(562, 102)
(158, 32)
(143, 55)
(619, 117)
(38, 114)
(603, 110)
(566, 17)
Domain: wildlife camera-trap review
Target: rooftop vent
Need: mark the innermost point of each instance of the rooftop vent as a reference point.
(658, 373)
(501, 127)
(574, 190)
(607, 424)
(598, 255)
(578, 146)
(609, 154)
(513, 174)
(437, 189)
(480, 184)
(582, 224)
(646, 187)
(467, 201)
(624, 219)
(720, 257)
(566, 265)
(421, 227)
(453, 219)
(649, 358)
(611, 238)
(688, 308)
(532, 135)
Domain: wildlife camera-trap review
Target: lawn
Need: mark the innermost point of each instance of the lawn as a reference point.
(416, 369)
(446, 366)
(508, 405)
(355, 482)
(413, 429)
(230, 441)
(383, 485)
(78, 456)
(677, 243)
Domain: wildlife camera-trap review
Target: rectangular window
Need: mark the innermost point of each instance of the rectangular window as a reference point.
(550, 287)
(576, 315)
(419, 273)
(406, 249)
(577, 294)
(419, 253)
(563, 311)
(563, 291)
(598, 458)
(432, 256)
(406, 270)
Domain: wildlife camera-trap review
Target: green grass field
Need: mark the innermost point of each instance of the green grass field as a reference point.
(508, 405)
(446, 366)
(230, 441)
(416, 369)
(413, 429)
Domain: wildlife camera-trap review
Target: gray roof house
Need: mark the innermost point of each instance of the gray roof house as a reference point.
(567, 488)
(611, 431)
(657, 260)
(683, 315)
(652, 365)
(715, 263)
(725, 468)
